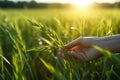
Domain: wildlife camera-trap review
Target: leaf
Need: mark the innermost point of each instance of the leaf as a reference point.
(55, 73)
(6, 60)
(104, 51)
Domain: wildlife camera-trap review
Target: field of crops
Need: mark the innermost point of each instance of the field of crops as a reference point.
(29, 41)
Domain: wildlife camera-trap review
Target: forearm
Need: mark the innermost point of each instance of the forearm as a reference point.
(112, 43)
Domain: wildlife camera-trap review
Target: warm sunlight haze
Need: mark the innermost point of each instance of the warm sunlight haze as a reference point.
(59, 39)
(81, 3)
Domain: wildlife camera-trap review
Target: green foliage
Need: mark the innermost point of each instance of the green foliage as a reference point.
(29, 44)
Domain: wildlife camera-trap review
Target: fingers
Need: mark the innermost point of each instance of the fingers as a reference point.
(77, 47)
(83, 42)
(76, 55)
(73, 43)
(61, 53)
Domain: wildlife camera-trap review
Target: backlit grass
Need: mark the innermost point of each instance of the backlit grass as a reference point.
(29, 41)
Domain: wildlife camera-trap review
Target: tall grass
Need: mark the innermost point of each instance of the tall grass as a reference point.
(29, 44)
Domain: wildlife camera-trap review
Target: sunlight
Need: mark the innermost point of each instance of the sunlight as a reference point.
(82, 3)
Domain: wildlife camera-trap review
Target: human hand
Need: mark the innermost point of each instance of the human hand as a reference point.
(82, 49)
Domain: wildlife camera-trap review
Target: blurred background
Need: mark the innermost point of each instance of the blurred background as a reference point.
(32, 31)
(58, 3)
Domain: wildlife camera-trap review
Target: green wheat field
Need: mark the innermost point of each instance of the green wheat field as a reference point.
(30, 39)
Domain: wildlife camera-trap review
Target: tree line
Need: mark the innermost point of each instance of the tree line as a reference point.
(33, 4)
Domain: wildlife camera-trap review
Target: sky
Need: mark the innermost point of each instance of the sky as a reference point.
(70, 1)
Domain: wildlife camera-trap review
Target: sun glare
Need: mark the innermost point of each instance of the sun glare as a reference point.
(82, 3)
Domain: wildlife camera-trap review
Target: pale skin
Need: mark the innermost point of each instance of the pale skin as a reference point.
(83, 49)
